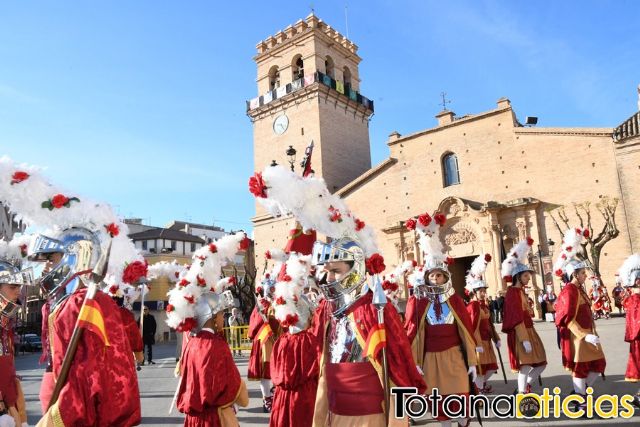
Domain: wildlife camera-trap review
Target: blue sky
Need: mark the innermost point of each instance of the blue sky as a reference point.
(142, 104)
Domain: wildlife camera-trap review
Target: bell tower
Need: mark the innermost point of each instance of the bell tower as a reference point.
(308, 90)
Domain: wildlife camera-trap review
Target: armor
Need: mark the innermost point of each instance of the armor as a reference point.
(343, 292)
(80, 249)
(209, 304)
(343, 345)
(444, 316)
(12, 275)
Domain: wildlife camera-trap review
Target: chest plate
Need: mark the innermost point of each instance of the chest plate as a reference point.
(444, 316)
(343, 345)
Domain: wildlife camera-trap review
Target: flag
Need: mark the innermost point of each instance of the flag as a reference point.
(91, 318)
(268, 97)
(340, 86)
(264, 333)
(254, 103)
(310, 79)
(376, 341)
(281, 91)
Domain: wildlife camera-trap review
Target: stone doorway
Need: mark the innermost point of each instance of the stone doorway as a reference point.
(458, 272)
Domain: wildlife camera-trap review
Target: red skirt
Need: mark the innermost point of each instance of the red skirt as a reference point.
(455, 406)
(633, 364)
(257, 369)
(582, 369)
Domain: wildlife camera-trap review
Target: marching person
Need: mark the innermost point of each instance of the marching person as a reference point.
(356, 337)
(437, 322)
(11, 397)
(630, 278)
(618, 294)
(526, 352)
(483, 330)
(548, 300)
(210, 383)
(235, 321)
(582, 352)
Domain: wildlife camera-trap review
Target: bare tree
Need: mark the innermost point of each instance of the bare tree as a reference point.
(592, 245)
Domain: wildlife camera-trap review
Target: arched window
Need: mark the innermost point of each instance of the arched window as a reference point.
(274, 78)
(450, 170)
(328, 67)
(346, 75)
(297, 68)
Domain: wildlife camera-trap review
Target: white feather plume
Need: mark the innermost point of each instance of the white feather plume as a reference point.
(631, 264)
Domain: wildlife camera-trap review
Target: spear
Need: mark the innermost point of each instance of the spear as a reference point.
(379, 302)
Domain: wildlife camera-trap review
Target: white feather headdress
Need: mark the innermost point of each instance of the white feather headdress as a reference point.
(630, 270)
(429, 239)
(290, 307)
(475, 275)
(516, 260)
(568, 259)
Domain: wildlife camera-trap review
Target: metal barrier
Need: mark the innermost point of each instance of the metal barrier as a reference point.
(237, 339)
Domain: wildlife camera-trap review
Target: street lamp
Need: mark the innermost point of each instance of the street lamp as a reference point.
(550, 244)
(291, 155)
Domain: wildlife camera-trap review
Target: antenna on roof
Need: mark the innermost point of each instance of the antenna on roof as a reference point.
(445, 101)
(346, 19)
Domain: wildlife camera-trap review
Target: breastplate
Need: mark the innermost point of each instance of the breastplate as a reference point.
(343, 345)
(445, 317)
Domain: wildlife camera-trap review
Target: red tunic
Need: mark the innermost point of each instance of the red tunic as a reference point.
(8, 387)
(484, 333)
(102, 386)
(632, 336)
(294, 371)
(132, 330)
(574, 320)
(210, 380)
(258, 368)
(518, 325)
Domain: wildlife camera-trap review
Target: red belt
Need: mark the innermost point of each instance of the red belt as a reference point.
(354, 389)
(441, 337)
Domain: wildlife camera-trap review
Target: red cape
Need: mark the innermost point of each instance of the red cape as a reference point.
(7, 368)
(632, 326)
(102, 386)
(210, 379)
(132, 330)
(294, 372)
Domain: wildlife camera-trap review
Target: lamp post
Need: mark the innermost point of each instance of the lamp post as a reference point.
(291, 156)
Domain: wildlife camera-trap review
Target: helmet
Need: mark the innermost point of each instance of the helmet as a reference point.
(80, 250)
(574, 265)
(432, 290)
(342, 293)
(11, 275)
(209, 304)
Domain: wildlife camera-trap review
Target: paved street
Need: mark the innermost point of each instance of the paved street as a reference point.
(157, 383)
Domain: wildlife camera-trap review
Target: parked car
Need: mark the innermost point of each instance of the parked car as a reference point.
(31, 342)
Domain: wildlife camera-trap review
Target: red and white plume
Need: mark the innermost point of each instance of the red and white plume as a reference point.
(475, 275)
(290, 309)
(516, 257)
(282, 192)
(204, 275)
(571, 246)
(391, 284)
(16, 248)
(428, 229)
(630, 270)
(27, 193)
(170, 270)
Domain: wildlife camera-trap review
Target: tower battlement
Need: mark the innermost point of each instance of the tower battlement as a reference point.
(302, 26)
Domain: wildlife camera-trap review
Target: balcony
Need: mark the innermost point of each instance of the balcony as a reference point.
(317, 77)
(629, 128)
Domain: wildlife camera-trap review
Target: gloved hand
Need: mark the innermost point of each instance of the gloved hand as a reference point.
(479, 349)
(420, 370)
(527, 346)
(473, 372)
(498, 344)
(592, 339)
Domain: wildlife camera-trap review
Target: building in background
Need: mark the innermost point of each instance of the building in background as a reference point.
(178, 241)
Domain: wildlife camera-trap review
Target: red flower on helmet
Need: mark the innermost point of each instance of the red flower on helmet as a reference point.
(113, 289)
(58, 201)
(440, 219)
(186, 325)
(201, 282)
(232, 280)
(244, 244)
(23, 250)
(213, 248)
(388, 285)
(259, 289)
(267, 255)
(410, 224)
(529, 241)
(414, 263)
(291, 319)
(18, 177)
(169, 308)
(112, 229)
(424, 219)
(286, 278)
(375, 264)
(280, 301)
(559, 272)
(335, 215)
(135, 271)
(177, 274)
(569, 248)
(265, 304)
(183, 282)
(190, 299)
(450, 260)
(487, 258)
(586, 233)
(359, 224)
(257, 186)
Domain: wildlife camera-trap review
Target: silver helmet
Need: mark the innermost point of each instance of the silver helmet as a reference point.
(346, 290)
(79, 251)
(433, 290)
(209, 304)
(11, 275)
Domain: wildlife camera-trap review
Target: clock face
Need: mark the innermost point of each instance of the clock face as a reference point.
(280, 124)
